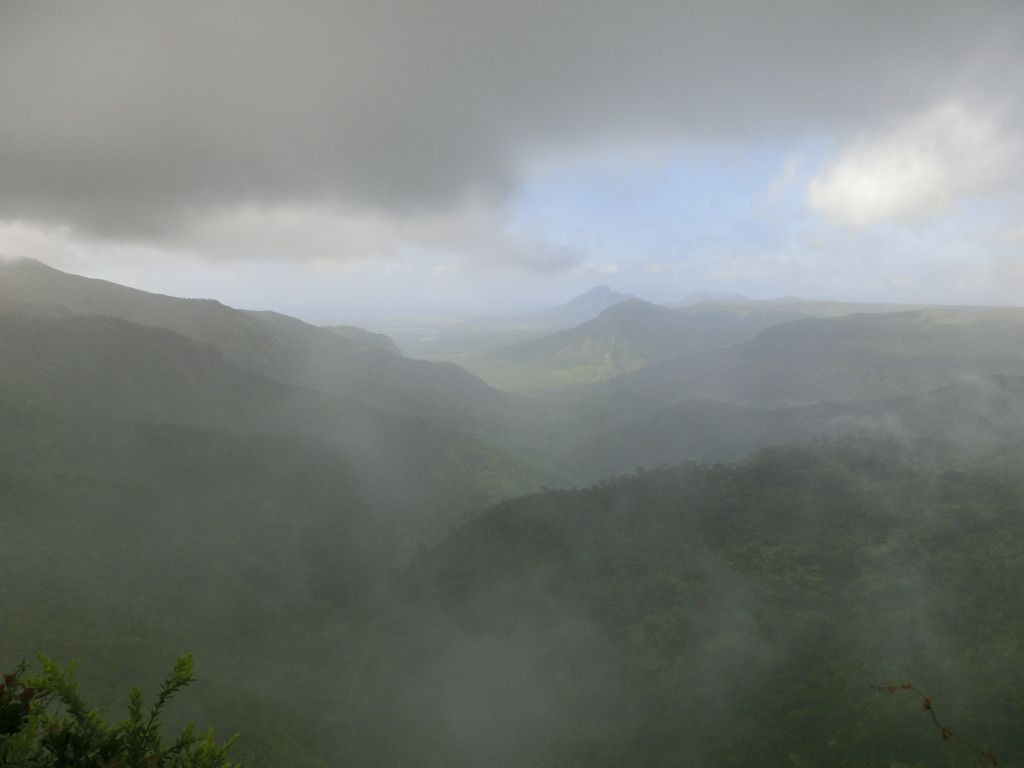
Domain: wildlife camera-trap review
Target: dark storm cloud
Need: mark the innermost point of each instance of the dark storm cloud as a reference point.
(120, 118)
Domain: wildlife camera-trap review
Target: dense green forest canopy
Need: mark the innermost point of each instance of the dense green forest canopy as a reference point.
(380, 560)
(724, 615)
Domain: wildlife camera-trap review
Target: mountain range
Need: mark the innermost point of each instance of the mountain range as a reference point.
(661, 536)
(634, 334)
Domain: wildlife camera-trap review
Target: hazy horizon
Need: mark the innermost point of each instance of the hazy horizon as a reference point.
(326, 313)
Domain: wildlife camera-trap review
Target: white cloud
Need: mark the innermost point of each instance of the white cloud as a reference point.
(915, 169)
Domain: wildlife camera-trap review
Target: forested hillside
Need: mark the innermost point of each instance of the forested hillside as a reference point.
(525, 384)
(974, 414)
(851, 357)
(265, 343)
(158, 496)
(719, 615)
(340, 534)
(633, 334)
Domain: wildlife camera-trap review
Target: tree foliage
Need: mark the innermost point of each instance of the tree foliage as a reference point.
(45, 722)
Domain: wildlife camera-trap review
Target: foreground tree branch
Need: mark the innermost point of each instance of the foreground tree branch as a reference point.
(985, 757)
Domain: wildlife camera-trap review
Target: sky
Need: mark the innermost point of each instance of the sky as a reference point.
(344, 160)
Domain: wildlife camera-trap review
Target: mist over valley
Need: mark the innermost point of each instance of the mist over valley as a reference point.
(511, 385)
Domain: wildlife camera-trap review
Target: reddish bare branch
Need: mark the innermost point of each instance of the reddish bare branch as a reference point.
(985, 757)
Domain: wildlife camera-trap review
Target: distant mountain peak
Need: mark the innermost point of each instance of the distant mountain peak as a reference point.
(599, 295)
(630, 305)
(577, 310)
(702, 296)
